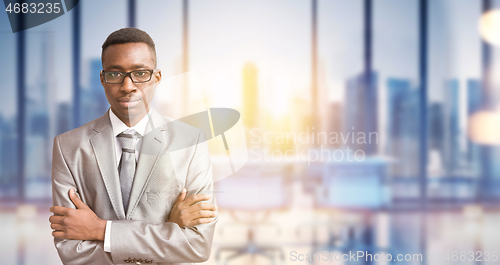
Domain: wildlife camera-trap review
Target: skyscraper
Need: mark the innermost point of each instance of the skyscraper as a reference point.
(436, 127)
(361, 109)
(335, 120)
(397, 90)
(474, 101)
(63, 120)
(8, 157)
(452, 148)
(40, 96)
(250, 96)
(403, 124)
(94, 102)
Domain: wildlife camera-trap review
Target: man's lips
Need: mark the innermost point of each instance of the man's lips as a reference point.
(129, 102)
(129, 99)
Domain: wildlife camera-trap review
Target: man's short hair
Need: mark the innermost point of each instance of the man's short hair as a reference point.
(128, 35)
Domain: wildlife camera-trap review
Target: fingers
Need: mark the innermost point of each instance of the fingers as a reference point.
(202, 206)
(197, 198)
(182, 196)
(57, 227)
(203, 214)
(58, 234)
(60, 210)
(76, 200)
(54, 219)
(201, 221)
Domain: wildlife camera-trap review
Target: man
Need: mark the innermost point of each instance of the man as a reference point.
(132, 186)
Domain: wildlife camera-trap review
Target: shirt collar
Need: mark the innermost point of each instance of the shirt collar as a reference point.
(119, 127)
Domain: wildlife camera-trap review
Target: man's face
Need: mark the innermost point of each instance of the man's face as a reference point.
(129, 100)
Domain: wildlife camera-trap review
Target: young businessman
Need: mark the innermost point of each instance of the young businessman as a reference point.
(121, 194)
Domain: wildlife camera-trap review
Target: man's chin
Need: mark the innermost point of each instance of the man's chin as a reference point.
(131, 113)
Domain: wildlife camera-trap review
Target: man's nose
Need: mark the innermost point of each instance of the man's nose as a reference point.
(127, 85)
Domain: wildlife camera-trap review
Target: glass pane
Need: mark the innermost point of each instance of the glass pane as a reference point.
(395, 66)
(230, 39)
(340, 42)
(454, 92)
(164, 24)
(99, 19)
(47, 100)
(8, 111)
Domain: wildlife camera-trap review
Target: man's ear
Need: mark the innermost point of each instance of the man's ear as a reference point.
(158, 76)
(101, 77)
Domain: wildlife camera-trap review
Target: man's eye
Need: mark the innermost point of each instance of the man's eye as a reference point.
(140, 73)
(115, 74)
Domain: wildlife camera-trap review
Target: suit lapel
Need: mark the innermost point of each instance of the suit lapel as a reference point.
(152, 144)
(103, 144)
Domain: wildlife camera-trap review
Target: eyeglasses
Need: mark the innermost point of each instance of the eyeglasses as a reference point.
(137, 76)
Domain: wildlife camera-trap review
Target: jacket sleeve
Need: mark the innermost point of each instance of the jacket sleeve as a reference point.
(167, 242)
(72, 251)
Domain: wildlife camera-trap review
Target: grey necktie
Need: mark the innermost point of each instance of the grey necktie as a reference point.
(127, 165)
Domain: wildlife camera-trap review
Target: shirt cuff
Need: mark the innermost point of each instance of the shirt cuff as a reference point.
(107, 237)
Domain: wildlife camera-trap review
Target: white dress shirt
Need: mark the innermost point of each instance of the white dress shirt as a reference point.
(141, 128)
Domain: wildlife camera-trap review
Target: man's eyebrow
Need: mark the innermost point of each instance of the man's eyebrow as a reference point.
(135, 66)
(119, 67)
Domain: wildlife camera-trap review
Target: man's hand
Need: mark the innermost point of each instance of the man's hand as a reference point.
(188, 212)
(79, 224)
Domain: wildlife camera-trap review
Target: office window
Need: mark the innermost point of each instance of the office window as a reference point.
(395, 72)
(47, 98)
(164, 24)
(340, 59)
(8, 111)
(454, 93)
(98, 20)
(230, 39)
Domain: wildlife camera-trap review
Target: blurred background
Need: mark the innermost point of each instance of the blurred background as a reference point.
(371, 125)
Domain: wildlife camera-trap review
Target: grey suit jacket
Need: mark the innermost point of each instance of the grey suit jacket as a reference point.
(173, 156)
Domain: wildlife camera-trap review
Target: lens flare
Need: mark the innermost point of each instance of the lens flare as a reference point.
(484, 127)
(489, 27)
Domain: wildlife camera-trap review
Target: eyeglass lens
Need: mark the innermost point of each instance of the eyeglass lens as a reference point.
(118, 77)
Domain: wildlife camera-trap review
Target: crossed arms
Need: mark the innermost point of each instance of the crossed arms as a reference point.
(185, 237)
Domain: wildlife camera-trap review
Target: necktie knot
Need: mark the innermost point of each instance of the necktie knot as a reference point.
(127, 141)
